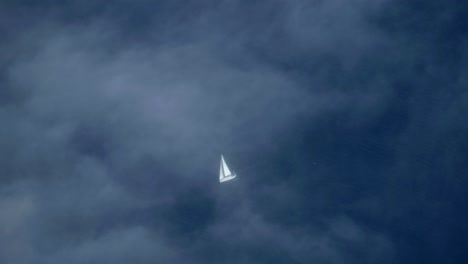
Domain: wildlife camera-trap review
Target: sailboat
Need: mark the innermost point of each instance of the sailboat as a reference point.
(224, 173)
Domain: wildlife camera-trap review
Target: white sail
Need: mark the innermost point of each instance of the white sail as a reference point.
(225, 167)
(221, 171)
(224, 173)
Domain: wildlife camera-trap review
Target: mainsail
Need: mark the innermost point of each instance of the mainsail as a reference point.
(224, 173)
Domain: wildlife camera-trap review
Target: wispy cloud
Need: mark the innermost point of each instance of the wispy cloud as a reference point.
(114, 126)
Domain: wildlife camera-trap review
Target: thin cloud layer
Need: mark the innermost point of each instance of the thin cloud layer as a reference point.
(115, 122)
